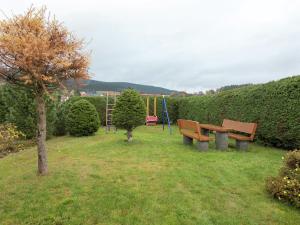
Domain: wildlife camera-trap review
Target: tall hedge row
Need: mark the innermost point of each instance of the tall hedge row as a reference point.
(17, 106)
(275, 106)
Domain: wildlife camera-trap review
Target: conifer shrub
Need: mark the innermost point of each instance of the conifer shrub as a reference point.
(82, 119)
(129, 112)
(63, 110)
(100, 104)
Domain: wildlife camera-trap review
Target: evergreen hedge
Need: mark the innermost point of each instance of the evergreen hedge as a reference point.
(17, 106)
(275, 106)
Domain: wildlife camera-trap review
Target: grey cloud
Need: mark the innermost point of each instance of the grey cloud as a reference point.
(187, 45)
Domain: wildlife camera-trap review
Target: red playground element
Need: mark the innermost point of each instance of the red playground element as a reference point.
(151, 120)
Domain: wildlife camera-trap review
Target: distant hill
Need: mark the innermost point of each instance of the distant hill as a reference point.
(230, 87)
(91, 86)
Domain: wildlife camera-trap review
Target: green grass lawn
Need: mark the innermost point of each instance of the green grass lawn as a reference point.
(154, 180)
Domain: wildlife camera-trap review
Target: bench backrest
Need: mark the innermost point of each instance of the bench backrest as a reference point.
(249, 128)
(189, 125)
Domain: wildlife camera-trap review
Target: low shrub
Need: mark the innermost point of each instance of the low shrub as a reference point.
(9, 137)
(286, 187)
(82, 119)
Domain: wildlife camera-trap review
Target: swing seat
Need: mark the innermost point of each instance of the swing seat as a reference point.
(151, 120)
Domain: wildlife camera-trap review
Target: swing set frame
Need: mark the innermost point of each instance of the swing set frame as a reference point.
(151, 120)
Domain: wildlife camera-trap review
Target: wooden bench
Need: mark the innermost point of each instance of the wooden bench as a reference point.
(191, 130)
(241, 127)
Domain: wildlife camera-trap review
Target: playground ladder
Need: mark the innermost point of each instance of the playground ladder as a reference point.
(111, 99)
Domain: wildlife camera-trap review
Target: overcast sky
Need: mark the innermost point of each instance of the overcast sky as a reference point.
(189, 45)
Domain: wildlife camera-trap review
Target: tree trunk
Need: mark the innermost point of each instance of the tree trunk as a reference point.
(129, 135)
(41, 135)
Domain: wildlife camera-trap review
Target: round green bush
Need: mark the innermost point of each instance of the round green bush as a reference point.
(62, 111)
(82, 119)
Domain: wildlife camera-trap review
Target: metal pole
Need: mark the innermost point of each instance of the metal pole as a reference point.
(165, 110)
(154, 105)
(148, 106)
(162, 113)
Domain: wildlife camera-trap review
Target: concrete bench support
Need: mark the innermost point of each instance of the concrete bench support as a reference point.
(202, 145)
(205, 132)
(241, 145)
(187, 140)
(221, 140)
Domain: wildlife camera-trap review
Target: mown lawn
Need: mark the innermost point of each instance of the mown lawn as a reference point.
(154, 180)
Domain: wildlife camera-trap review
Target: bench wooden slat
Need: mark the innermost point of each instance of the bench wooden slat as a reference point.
(191, 129)
(248, 128)
(192, 134)
(188, 124)
(239, 137)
